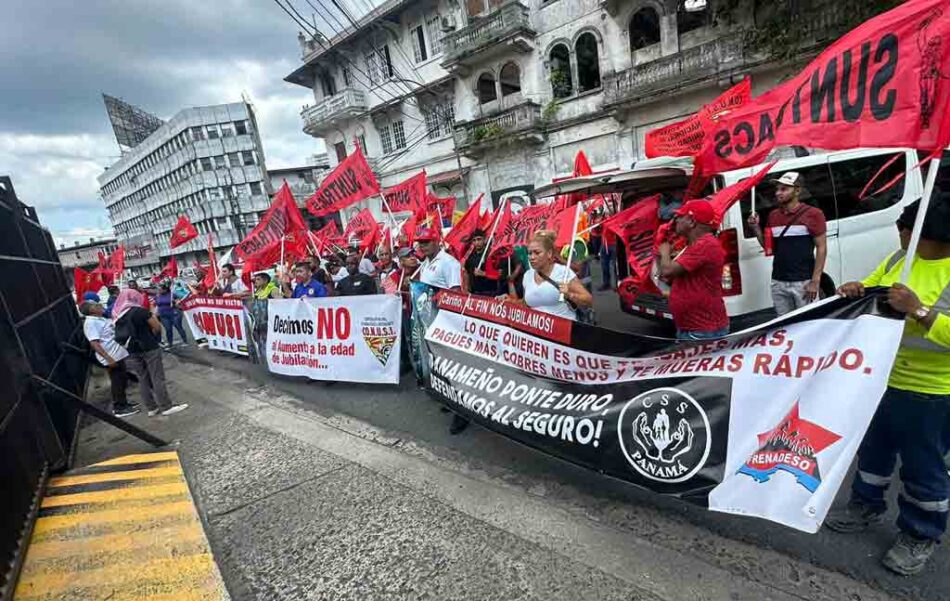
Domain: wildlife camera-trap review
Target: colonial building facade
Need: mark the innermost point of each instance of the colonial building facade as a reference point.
(497, 97)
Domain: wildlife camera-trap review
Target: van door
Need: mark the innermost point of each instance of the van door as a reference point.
(866, 230)
(818, 191)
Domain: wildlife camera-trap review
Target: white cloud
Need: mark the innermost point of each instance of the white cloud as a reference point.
(80, 234)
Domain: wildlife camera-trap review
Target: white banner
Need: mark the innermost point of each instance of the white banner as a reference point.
(218, 320)
(342, 338)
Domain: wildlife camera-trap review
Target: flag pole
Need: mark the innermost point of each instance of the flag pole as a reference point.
(570, 253)
(491, 235)
(282, 238)
(921, 215)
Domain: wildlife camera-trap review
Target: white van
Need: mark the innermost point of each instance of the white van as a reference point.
(861, 233)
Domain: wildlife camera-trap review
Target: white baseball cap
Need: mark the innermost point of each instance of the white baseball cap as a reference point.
(789, 178)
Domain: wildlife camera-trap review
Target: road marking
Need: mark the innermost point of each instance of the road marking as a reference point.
(124, 530)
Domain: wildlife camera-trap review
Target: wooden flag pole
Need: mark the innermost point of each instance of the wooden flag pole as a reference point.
(491, 235)
(921, 215)
(570, 253)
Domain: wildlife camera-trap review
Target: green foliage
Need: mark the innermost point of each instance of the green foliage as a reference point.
(549, 112)
(487, 132)
(560, 83)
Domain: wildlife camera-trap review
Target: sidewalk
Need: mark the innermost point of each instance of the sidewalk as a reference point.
(301, 506)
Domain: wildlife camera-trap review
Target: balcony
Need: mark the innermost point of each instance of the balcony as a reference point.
(327, 114)
(521, 124)
(500, 32)
(710, 61)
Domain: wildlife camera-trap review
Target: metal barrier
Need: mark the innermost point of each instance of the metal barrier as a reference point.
(38, 424)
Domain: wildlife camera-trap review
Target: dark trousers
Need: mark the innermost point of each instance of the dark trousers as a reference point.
(909, 424)
(173, 321)
(119, 379)
(607, 254)
(151, 372)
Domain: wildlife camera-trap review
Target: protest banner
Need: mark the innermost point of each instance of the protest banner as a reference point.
(343, 338)
(350, 181)
(762, 423)
(219, 321)
(685, 137)
(283, 217)
(883, 84)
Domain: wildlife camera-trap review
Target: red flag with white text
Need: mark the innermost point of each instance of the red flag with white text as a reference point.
(408, 195)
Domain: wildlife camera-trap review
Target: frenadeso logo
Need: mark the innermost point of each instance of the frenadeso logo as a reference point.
(665, 435)
(793, 447)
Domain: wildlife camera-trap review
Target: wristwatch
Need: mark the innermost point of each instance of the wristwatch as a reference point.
(921, 313)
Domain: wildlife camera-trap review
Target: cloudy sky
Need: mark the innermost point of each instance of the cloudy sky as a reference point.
(58, 56)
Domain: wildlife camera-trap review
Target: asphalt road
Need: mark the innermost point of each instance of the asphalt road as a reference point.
(765, 552)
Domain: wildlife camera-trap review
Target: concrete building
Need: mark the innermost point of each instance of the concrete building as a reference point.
(206, 163)
(498, 96)
(84, 254)
(302, 180)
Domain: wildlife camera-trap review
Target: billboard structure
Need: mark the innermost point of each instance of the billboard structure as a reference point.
(130, 123)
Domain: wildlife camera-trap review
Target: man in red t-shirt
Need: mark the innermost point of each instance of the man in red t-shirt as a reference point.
(696, 274)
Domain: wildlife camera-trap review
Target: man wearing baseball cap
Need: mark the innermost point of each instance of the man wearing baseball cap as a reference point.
(439, 268)
(798, 245)
(696, 274)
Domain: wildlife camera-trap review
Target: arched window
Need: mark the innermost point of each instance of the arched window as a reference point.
(644, 29)
(561, 83)
(486, 88)
(588, 66)
(510, 78)
(692, 14)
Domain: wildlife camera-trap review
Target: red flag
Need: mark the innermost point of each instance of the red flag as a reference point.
(281, 218)
(328, 236)
(443, 207)
(84, 282)
(883, 84)
(182, 232)
(502, 232)
(426, 224)
(349, 182)
(408, 195)
(211, 276)
(685, 137)
(116, 261)
(563, 223)
(461, 234)
(636, 228)
(386, 240)
(728, 196)
(407, 233)
(171, 269)
(361, 229)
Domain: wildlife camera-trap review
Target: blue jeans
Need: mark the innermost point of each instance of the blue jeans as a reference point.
(909, 424)
(170, 321)
(684, 335)
(607, 254)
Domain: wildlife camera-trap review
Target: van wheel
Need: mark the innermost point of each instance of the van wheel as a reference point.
(826, 288)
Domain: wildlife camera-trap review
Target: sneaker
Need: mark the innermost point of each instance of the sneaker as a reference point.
(909, 554)
(125, 411)
(175, 409)
(459, 423)
(152, 412)
(855, 517)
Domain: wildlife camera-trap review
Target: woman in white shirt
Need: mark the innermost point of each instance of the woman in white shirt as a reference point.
(547, 280)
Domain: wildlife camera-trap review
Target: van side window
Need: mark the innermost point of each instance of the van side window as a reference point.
(852, 176)
(943, 174)
(817, 190)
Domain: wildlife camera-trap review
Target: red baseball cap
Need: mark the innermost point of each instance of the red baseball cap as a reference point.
(428, 229)
(700, 210)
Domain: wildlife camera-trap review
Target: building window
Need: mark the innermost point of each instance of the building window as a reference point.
(562, 85)
(234, 159)
(227, 130)
(328, 85)
(485, 88)
(399, 135)
(240, 127)
(340, 148)
(206, 164)
(219, 162)
(435, 34)
(440, 119)
(418, 35)
(692, 14)
(256, 188)
(510, 79)
(361, 140)
(386, 139)
(379, 64)
(248, 157)
(644, 29)
(213, 132)
(345, 70)
(588, 65)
